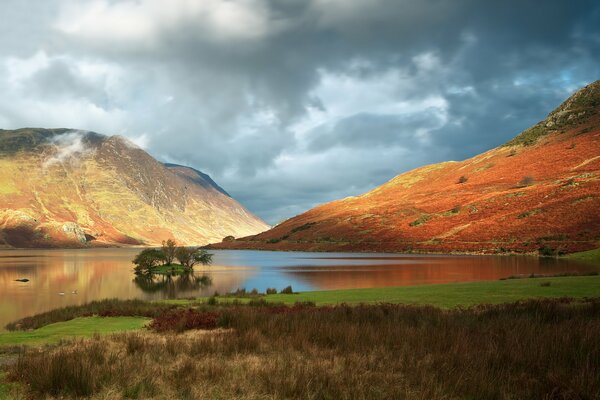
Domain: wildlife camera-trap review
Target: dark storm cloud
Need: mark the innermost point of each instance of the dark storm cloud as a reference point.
(373, 130)
(292, 103)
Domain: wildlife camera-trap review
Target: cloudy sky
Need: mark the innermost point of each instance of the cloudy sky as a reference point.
(291, 103)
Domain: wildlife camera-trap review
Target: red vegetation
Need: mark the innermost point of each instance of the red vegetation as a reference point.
(181, 320)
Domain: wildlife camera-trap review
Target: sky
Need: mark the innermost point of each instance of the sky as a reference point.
(288, 104)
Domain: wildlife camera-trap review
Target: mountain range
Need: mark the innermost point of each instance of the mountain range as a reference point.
(538, 192)
(67, 188)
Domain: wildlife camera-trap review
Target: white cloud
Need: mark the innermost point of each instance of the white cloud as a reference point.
(63, 91)
(144, 23)
(344, 95)
(69, 148)
(20, 69)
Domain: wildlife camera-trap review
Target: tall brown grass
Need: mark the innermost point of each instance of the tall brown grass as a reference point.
(545, 349)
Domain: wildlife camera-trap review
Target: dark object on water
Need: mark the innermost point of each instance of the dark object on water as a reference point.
(22, 280)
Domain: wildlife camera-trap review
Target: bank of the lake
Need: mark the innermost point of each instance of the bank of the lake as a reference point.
(447, 296)
(60, 278)
(590, 256)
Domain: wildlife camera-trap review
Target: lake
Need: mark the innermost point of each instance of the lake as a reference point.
(63, 277)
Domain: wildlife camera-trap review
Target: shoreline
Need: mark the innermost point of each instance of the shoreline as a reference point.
(576, 256)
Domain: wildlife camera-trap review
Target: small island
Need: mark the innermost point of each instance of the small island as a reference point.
(161, 261)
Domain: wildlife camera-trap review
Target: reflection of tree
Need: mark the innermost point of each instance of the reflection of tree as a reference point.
(171, 284)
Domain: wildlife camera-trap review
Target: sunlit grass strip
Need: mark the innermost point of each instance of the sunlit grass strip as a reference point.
(102, 308)
(78, 327)
(171, 269)
(455, 294)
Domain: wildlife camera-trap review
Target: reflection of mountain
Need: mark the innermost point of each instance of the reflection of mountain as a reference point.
(426, 270)
(67, 188)
(540, 189)
(94, 273)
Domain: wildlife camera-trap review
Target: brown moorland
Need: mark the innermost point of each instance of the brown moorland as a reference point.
(538, 192)
(537, 349)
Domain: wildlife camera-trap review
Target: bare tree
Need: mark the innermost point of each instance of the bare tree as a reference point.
(168, 248)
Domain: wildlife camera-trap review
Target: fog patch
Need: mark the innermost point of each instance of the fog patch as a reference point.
(69, 148)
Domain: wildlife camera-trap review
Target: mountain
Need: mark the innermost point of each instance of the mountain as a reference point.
(60, 187)
(541, 190)
(197, 177)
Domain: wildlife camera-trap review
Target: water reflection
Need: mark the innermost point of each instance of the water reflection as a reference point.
(172, 285)
(419, 270)
(86, 275)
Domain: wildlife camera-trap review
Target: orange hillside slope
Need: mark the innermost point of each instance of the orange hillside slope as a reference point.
(540, 190)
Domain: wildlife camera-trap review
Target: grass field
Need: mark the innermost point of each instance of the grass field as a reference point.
(452, 294)
(446, 295)
(78, 327)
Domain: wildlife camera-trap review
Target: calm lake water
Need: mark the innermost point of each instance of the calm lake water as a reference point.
(62, 277)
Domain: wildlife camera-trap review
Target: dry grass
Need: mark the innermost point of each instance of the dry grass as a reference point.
(546, 349)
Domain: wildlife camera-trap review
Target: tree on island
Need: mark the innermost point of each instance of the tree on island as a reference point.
(150, 261)
(169, 247)
(189, 257)
(147, 260)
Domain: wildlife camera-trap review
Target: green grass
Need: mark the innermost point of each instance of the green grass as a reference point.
(591, 256)
(203, 300)
(170, 269)
(455, 294)
(78, 327)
